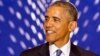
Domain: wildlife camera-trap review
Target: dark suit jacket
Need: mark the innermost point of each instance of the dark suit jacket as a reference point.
(43, 50)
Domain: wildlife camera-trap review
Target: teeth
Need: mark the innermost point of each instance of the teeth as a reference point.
(49, 31)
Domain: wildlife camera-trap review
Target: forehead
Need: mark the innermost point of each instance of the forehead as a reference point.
(55, 9)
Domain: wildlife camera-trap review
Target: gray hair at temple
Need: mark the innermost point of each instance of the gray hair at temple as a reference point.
(69, 7)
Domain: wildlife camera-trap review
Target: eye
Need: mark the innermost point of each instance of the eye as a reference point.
(56, 19)
(46, 18)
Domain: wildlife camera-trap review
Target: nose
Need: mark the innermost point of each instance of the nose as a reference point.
(49, 23)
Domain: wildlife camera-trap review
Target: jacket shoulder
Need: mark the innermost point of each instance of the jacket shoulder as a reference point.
(33, 51)
(84, 52)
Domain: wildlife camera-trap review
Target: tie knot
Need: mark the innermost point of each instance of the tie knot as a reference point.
(58, 52)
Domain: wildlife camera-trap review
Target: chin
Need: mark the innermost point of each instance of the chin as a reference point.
(50, 40)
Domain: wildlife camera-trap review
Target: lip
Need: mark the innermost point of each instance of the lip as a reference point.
(48, 32)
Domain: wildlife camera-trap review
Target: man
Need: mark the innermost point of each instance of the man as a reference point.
(60, 21)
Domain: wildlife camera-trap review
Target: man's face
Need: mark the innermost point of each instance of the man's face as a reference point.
(56, 24)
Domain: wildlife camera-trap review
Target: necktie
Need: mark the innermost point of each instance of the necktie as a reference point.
(58, 52)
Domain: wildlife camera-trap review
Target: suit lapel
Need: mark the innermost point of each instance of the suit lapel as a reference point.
(44, 51)
(74, 51)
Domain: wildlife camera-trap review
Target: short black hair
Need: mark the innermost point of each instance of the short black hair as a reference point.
(68, 7)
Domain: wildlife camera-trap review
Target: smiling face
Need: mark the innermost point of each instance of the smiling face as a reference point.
(56, 25)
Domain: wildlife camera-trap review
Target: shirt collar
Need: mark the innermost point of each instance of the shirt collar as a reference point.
(52, 49)
(65, 49)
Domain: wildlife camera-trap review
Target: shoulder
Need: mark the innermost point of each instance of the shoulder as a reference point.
(86, 52)
(32, 51)
(82, 51)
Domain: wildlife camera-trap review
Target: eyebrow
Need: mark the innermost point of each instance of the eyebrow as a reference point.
(53, 17)
(56, 17)
(46, 16)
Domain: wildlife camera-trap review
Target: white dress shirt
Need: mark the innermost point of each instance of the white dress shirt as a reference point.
(65, 49)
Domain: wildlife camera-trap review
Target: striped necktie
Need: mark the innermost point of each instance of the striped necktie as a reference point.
(58, 52)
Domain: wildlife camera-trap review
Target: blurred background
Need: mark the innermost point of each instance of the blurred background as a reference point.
(21, 25)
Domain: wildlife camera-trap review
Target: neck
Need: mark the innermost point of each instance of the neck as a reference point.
(61, 42)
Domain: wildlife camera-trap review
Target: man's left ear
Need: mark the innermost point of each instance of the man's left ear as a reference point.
(72, 25)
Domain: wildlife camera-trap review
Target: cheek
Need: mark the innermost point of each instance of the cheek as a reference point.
(44, 25)
(51, 38)
(63, 30)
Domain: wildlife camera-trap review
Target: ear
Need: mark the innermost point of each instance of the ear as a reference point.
(72, 25)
